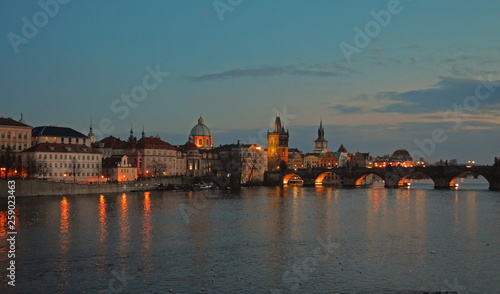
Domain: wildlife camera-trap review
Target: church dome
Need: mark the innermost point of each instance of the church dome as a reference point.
(200, 129)
(402, 154)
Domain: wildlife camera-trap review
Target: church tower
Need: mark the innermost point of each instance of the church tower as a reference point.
(277, 147)
(321, 144)
(91, 133)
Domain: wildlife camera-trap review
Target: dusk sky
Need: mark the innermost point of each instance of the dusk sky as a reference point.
(237, 63)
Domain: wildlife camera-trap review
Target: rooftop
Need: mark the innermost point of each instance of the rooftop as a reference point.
(53, 131)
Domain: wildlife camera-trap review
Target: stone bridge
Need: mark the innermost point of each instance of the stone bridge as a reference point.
(443, 176)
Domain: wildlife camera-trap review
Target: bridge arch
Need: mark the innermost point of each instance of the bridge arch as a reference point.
(335, 177)
(401, 181)
(292, 179)
(360, 180)
(453, 181)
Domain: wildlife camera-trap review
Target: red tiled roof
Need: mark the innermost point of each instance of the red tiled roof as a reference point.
(108, 142)
(154, 143)
(190, 146)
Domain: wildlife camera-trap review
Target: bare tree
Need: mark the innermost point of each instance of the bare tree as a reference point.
(30, 166)
(42, 168)
(250, 167)
(158, 168)
(74, 168)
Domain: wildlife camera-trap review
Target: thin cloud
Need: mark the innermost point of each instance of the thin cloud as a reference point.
(274, 71)
(347, 109)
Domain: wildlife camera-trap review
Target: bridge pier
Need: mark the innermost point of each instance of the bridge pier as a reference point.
(349, 182)
(494, 185)
(442, 183)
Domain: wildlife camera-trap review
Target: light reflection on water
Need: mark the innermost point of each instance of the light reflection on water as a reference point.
(246, 241)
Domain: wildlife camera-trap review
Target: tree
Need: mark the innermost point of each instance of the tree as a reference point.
(42, 168)
(98, 170)
(74, 168)
(7, 160)
(158, 168)
(30, 166)
(251, 163)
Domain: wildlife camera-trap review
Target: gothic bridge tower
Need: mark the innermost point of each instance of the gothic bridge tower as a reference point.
(277, 147)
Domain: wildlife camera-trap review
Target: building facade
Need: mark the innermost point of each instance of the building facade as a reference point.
(63, 162)
(15, 136)
(249, 159)
(117, 168)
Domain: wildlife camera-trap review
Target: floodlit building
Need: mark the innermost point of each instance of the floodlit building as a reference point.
(117, 168)
(200, 135)
(63, 162)
(277, 146)
(400, 157)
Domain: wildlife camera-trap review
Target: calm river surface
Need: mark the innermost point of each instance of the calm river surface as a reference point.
(260, 240)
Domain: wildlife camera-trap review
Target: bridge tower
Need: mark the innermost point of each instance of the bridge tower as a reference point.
(277, 147)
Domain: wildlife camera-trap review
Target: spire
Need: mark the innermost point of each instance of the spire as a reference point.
(321, 131)
(131, 138)
(277, 126)
(91, 129)
(143, 133)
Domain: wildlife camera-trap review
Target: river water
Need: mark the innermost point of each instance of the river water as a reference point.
(260, 240)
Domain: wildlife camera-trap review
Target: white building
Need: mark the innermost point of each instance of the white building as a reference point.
(63, 162)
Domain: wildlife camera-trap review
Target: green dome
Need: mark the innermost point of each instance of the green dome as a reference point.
(200, 129)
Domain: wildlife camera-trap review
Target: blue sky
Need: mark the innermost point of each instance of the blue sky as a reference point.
(263, 57)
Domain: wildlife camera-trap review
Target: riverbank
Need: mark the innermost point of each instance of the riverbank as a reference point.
(34, 188)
